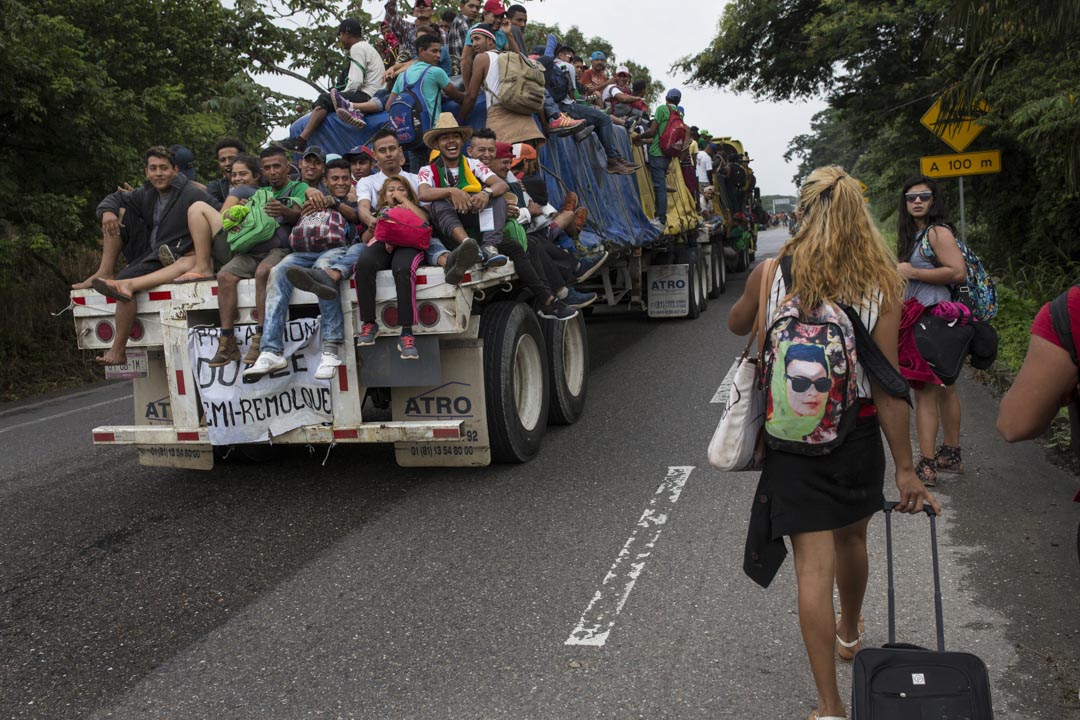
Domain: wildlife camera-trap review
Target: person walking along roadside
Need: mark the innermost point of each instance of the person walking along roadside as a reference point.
(824, 502)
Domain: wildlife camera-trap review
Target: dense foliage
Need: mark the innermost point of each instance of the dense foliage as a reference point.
(882, 63)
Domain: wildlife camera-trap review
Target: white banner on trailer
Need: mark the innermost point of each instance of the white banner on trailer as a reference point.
(247, 412)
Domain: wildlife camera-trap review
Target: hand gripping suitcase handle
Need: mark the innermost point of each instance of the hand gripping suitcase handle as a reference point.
(889, 507)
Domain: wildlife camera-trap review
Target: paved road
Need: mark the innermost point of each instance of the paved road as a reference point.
(364, 590)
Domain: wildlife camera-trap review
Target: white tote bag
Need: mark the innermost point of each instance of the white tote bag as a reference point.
(735, 443)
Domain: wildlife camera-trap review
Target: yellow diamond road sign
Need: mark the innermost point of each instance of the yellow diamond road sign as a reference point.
(972, 163)
(957, 135)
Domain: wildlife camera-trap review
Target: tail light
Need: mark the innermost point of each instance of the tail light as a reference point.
(390, 316)
(104, 331)
(429, 315)
(136, 331)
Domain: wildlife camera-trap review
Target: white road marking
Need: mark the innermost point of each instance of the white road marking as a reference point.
(725, 386)
(599, 617)
(63, 414)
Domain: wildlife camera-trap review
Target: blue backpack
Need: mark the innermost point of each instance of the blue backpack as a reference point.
(978, 292)
(556, 80)
(409, 114)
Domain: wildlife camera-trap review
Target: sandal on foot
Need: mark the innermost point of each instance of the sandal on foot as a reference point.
(926, 470)
(110, 289)
(843, 645)
(814, 716)
(948, 460)
(190, 277)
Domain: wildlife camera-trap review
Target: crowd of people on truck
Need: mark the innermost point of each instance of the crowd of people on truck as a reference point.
(299, 217)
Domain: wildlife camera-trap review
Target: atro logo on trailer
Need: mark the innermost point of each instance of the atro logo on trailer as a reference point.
(440, 404)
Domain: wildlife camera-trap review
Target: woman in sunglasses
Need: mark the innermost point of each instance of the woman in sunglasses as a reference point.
(929, 277)
(824, 501)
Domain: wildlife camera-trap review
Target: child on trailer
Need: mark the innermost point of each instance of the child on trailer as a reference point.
(397, 242)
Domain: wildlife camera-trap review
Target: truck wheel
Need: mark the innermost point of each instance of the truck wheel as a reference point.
(515, 380)
(718, 270)
(568, 368)
(742, 261)
(703, 280)
(693, 291)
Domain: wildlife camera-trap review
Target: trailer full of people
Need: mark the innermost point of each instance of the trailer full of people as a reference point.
(427, 239)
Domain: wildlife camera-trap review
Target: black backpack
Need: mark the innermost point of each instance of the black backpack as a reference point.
(556, 80)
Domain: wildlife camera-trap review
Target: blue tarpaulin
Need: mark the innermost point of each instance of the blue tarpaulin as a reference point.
(334, 136)
(613, 201)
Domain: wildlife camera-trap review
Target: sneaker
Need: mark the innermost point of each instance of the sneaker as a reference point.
(312, 280)
(581, 216)
(351, 117)
(296, 144)
(579, 300)
(368, 333)
(660, 225)
(267, 363)
(339, 100)
(253, 351)
(407, 347)
(588, 267)
(227, 352)
(570, 202)
(583, 133)
(555, 310)
(328, 365)
(463, 257)
(563, 125)
(166, 256)
(492, 257)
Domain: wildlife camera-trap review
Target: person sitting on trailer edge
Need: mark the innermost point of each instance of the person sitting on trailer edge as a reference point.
(313, 168)
(320, 240)
(170, 218)
(361, 162)
(226, 150)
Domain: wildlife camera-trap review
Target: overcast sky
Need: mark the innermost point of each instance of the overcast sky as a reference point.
(655, 33)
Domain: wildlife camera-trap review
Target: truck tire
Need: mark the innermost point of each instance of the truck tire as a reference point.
(693, 290)
(515, 381)
(568, 368)
(742, 261)
(718, 270)
(703, 279)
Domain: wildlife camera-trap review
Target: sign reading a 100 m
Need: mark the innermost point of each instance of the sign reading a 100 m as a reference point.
(972, 163)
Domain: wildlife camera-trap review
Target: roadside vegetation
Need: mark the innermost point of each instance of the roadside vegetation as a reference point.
(881, 65)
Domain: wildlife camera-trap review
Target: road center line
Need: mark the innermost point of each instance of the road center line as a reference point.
(63, 414)
(599, 617)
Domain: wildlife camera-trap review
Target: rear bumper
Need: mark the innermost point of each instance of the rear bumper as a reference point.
(386, 432)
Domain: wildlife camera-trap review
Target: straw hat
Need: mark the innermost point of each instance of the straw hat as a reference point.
(446, 124)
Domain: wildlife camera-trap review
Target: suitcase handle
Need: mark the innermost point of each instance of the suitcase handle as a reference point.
(889, 507)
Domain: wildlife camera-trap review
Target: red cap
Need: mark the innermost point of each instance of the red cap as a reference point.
(495, 6)
(504, 151)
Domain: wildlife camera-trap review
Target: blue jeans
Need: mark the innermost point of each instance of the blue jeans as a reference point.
(658, 166)
(435, 250)
(599, 120)
(279, 290)
(551, 110)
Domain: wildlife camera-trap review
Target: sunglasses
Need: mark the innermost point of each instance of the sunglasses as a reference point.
(802, 384)
(925, 196)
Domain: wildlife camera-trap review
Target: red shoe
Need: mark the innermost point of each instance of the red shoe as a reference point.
(563, 125)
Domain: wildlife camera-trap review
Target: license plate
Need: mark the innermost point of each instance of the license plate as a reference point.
(136, 366)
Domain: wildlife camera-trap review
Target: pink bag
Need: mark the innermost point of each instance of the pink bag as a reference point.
(401, 227)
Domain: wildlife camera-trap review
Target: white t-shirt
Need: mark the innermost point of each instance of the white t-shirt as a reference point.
(608, 95)
(479, 169)
(368, 188)
(704, 167)
(366, 69)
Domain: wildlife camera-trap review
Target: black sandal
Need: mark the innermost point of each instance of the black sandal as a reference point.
(948, 460)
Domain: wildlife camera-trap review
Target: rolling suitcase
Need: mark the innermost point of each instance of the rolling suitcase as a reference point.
(908, 682)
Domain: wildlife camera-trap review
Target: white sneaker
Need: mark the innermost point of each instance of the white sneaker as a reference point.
(328, 366)
(267, 362)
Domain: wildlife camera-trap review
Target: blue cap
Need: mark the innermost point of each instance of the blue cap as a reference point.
(681, 111)
(598, 56)
(185, 160)
(674, 95)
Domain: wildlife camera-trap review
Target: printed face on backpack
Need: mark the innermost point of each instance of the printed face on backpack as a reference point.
(807, 386)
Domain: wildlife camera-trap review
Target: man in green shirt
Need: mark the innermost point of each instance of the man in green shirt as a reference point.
(658, 162)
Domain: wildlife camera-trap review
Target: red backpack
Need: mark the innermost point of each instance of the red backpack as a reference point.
(676, 136)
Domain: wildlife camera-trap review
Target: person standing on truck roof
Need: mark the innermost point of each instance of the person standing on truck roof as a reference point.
(285, 198)
(658, 161)
(168, 211)
(510, 126)
(360, 86)
(459, 32)
(341, 254)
